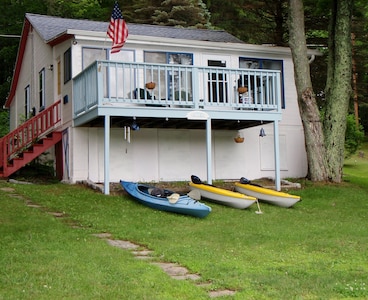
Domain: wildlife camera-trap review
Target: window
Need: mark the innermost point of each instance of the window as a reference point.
(176, 83)
(27, 104)
(256, 63)
(58, 77)
(90, 55)
(117, 78)
(41, 89)
(67, 65)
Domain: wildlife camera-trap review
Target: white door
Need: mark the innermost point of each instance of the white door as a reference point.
(217, 84)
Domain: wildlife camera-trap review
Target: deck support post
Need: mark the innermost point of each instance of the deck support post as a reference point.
(209, 150)
(277, 154)
(107, 156)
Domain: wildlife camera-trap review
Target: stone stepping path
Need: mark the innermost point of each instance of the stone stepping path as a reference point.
(175, 271)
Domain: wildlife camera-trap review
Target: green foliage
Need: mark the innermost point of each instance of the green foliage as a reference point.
(4, 123)
(183, 13)
(39, 170)
(354, 136)
(258, 22)
(363, 115)
(11, 23)
(81, 9)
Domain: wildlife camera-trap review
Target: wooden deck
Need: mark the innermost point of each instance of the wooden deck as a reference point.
(124, 91)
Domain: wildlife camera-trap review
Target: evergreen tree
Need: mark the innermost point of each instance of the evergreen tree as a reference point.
(183, 13)
(143, 10)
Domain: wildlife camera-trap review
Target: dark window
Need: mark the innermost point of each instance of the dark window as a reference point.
(67, 65)
(41, 89)
(27, 108)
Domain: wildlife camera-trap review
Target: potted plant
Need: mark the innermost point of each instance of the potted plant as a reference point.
(150, 85)
(239, 138)
(242, 89)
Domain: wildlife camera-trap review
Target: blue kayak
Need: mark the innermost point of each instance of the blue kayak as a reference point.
(165, 200)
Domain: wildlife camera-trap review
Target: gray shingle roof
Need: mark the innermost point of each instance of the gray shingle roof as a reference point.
(50, 27)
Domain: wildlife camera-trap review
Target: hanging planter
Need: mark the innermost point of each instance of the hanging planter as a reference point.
(150, 85)
(239, 138)
(242, 89)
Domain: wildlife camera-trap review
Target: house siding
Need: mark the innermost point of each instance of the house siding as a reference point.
(174, 155)
(38, 56)
(66, 88)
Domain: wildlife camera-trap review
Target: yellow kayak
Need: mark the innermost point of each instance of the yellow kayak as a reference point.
(222, 196)
(266, 195)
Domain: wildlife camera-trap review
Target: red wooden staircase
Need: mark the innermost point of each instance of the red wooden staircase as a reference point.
(30, 140)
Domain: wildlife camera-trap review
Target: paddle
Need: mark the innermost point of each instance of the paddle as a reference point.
(244, 180)
(195, 195)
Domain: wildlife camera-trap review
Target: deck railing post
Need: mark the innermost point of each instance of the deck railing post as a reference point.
(195, 85)
(278, 91)
(100, 83)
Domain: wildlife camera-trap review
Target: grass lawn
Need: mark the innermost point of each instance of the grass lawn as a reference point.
(315, 250)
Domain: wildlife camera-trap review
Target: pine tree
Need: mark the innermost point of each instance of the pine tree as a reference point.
(182, 13)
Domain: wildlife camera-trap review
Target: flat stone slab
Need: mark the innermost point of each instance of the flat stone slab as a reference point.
(122, 244)
(19, 181)
(187, 276)
(172, 269)
(16, 196)
(8, 189)
(102, 235)
(221, 293)
(33, 205)
(142, 253)
(56, 214)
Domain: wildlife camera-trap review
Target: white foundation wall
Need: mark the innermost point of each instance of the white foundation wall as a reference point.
(173, 155)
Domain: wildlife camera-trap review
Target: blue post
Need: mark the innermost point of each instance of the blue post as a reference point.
(107, 156)
(277, 154)
(209, 150)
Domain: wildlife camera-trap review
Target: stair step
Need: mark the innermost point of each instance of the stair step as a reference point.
(31, 153)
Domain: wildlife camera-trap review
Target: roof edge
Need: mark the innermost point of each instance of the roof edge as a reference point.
(18, 63)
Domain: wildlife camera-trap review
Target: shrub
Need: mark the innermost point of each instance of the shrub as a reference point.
(4, 123)
(354, 136)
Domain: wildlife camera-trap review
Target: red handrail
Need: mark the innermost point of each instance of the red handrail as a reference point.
(28, 133)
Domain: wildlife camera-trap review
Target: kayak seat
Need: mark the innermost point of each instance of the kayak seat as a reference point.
(157, 192)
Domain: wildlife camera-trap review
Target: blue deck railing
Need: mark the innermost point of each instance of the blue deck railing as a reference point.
(180, 86)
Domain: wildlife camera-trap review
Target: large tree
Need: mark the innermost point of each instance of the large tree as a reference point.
(338, 87)
(324, 133)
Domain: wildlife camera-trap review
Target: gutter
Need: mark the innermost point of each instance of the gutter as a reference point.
(312, 58)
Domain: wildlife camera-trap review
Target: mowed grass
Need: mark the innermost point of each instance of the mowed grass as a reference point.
(315, 250)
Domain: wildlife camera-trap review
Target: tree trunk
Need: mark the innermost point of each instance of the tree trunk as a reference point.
(355, 80)
(338, 88)
(313, 129)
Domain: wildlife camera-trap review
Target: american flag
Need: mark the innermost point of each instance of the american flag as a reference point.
(118, 30)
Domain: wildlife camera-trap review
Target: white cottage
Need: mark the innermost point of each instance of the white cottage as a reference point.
(167, 106)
